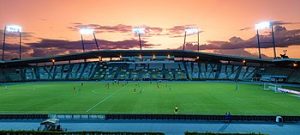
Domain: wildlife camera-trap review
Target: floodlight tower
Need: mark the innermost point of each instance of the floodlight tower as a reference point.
(262, 26)
(191, 31)
(138, 31)
(87, 31)
(12, 29)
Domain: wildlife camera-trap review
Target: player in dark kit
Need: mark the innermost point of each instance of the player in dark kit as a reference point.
(176, 109)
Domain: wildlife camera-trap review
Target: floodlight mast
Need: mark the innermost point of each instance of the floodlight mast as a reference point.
(12, 29)
(273, 41)
(191, 31)
(140, 41)
(183, 46)
(261, 26)
(139, 31)
(82, 43)
(198, 41)
(88, 31)
(3, 44)
(258, 44)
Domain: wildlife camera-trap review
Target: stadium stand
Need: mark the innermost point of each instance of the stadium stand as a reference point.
(168, 65)
(129, 71)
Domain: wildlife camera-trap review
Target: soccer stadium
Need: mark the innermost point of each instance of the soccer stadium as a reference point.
(151, 84)
(56, 77)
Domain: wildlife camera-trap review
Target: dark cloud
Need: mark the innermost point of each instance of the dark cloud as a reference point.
(275, 23)
(25, 35)
(173, 32)
(120, 28)
(178, 31)
(235, 52)
(102, 28)
(104, 44)
(283, 38)
(12, 50)
(283, 23)
(1, 35)
(48, 47)
(153, 31)
(12, 44)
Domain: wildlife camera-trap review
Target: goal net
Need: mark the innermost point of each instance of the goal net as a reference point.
(272, 86)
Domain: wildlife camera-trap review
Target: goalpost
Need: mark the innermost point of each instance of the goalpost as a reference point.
(272, 86)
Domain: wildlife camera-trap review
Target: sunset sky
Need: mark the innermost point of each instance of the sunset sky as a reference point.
(51, 26)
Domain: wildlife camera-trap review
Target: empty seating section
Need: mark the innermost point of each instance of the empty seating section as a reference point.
(294, 77)
(172, 70)
(271, 73)
(10, 75)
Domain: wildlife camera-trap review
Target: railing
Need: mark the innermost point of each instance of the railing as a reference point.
(23, 116)
(200, 117)
(241, 118)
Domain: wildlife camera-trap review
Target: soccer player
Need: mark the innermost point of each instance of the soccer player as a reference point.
(176, 109)
(74, 90)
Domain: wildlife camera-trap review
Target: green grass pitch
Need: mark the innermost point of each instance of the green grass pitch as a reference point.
(145, 98)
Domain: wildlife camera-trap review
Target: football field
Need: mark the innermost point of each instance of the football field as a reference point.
(145, 98)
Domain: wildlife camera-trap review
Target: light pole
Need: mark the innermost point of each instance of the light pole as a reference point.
(88, 31)
(262, 26)
(184, 39)
(191, 31)
(139, 31)
(12, 29)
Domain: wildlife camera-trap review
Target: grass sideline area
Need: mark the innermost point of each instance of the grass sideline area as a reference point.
(206, 98)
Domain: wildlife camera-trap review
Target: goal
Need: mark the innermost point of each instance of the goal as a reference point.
(272, 86)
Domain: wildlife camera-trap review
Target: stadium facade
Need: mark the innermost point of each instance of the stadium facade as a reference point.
(149, 65)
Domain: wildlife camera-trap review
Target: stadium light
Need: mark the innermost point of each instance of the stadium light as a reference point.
(295, 64)
(53, 61)
(261, 26)
(168, 56)
(88, 31)
(191, 30)
(139, 31)
(244, 62)
(140, 56)
(12, 28)
(153, 56)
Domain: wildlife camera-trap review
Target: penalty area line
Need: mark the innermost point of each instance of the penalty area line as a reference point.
(101, 101)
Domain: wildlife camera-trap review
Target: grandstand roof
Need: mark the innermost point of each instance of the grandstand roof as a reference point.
(129, 53)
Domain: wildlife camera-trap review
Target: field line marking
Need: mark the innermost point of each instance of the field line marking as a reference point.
(104, 99)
